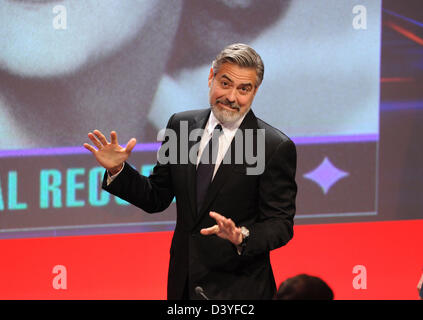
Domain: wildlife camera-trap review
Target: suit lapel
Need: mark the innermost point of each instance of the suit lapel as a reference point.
(224, 171)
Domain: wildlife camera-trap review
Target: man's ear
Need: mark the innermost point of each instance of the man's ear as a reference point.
(210, 76)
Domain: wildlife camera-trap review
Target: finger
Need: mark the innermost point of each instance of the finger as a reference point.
(101, 137)
(113, 137)
(228, 222)
(89, 147)
(229, 225)
(221, 225)
(130, 145)
(216, 216)
(208, 231)
(94, 140)
(223, 222)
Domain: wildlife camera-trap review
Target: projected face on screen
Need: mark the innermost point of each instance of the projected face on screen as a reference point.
(50, 38)
(57, 83)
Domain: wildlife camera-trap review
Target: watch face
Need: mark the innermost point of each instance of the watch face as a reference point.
(245, 232)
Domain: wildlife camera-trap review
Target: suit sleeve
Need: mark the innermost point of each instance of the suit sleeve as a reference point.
(151, 194)
(277, 192)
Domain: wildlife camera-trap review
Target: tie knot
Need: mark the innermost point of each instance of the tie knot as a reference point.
(218, 128)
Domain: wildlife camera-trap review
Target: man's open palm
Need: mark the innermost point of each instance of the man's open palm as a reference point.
(110, 155)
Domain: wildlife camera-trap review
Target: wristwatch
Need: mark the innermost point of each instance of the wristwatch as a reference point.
(245, 235)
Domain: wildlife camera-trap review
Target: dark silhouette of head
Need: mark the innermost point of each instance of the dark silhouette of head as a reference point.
(304, 287)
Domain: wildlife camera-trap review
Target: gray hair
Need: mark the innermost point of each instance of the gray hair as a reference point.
(241, 55)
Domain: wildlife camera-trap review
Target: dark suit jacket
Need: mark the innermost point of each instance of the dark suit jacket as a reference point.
(264, 203)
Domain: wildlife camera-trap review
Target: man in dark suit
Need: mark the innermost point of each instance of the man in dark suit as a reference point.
(230, 214)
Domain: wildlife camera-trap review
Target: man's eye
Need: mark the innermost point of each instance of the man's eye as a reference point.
(224, 83)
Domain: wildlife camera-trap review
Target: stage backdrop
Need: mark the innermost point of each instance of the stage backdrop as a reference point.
(342, 78)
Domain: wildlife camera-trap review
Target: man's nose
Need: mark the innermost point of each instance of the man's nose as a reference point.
(231, 96)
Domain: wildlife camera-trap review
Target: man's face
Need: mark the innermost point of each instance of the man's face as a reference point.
(32, 45)
(232, 91)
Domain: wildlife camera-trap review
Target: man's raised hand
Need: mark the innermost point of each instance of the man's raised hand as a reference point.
(110, 155)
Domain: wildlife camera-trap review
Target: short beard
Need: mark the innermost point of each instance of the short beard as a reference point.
(226, 116)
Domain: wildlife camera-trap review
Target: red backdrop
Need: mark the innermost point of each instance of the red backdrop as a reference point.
(134, 266)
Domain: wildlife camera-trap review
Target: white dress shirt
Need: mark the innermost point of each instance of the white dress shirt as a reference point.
(225, 139)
